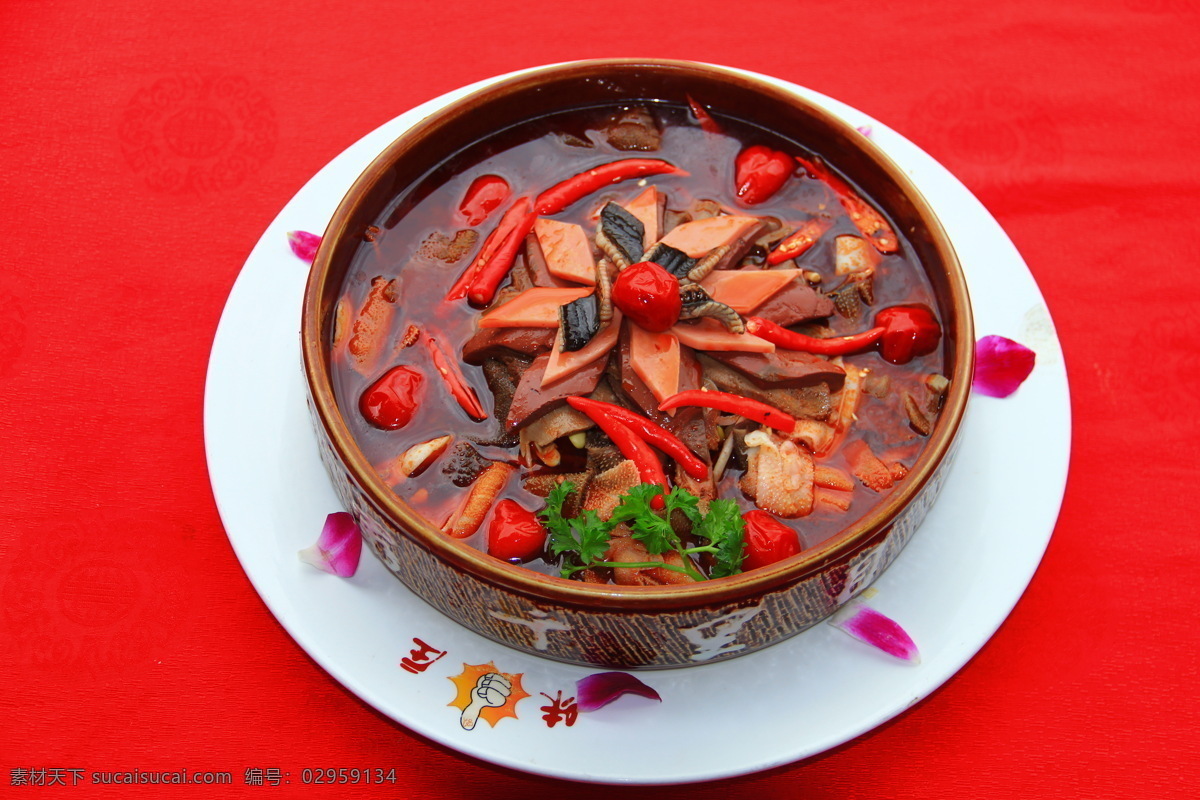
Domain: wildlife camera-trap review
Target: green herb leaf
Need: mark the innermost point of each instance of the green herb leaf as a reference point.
(562, 537)
(593, 536)
(648, 527)
(585, 536)
(724, 528)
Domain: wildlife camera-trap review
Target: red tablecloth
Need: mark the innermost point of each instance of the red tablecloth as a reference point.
(131, 638)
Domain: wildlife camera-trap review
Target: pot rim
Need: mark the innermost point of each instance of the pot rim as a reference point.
(540, 587)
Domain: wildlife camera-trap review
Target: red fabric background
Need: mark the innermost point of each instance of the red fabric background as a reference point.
(1074, 122)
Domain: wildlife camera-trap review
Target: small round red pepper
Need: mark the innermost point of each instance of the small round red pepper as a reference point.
(515, 534)
(485, 194)
(390, 402)
(767, 540)
(649, 295)
(761, 413)
(831, 346)
(760, 172)
(909, 331)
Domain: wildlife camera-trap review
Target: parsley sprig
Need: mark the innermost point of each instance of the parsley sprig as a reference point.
(585, 538)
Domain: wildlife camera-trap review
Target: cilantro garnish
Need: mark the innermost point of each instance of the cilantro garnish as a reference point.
(585, 538)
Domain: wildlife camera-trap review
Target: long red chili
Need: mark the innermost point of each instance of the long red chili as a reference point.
(798, 243)
(455, 382)
(636, 449)
(832, 346)
(563, 194)
(654, 434)
(707, 123)
(762, 413)
(487, 280)
(870, 223)
(494, 240)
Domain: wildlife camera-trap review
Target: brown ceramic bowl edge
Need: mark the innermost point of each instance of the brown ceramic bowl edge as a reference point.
(749, 585)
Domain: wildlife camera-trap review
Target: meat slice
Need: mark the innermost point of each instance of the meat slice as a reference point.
(499, 342)
(780, 475)
(783, 368)
(812, 402)
(531, 399)
(797, 303)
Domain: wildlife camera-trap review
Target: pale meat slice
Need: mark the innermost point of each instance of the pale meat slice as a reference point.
(564, 362)
(744, 290)
(709, 334)
(853, 254)
(698, 237)
(780, 475)
(629, 550)
(647, 207)
(532, 308)
(604, 491)
(655, 359)
(567, 251)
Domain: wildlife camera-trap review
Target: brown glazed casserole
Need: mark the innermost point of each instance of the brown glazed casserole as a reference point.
(609, 625)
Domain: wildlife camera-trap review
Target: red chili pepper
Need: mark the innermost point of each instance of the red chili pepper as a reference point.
(638, 451)
(908, 332)
(485, 194)
(869, 222)
(707, 123)
(563, 194)
(513, 217)
(798, 243)
(648, 295)
(390, 402)
(514, 534)
(487, 280)
(654, 434)
(760, 172)
(767, 540)
(455, 381)
(832, 346)
(761, 413)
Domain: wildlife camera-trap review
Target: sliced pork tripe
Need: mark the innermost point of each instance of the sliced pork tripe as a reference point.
(780, 475)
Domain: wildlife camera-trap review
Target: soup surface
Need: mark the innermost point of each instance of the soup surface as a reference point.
(611, 345)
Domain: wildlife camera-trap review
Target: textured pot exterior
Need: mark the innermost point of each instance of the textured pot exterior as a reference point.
(626, 639)
(630, 627)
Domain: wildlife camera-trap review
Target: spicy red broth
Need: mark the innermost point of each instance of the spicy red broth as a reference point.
(406, 319)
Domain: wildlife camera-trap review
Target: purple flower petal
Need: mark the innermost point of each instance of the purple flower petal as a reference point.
(868, 625)
(304, 244)
(338, 549)
(1001, 366)
(597, 691)
(865, 130)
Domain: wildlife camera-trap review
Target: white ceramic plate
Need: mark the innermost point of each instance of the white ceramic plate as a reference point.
(951, 588)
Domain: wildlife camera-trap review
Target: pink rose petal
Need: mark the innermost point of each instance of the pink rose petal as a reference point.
(597, 691)
(1001, 366)
(868, 625)
(338, 549)
(304, 244)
